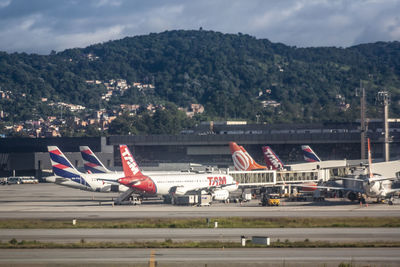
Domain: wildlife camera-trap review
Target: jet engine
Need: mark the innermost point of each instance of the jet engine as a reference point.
(220, 195)
(231, 188)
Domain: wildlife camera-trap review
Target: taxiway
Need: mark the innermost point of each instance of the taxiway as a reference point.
(50, 201)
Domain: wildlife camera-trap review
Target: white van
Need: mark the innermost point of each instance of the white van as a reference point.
(14, 180)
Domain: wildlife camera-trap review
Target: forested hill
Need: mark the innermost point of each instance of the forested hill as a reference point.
(231, 75)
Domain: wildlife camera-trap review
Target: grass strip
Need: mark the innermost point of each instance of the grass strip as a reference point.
(14, 244)
(226, 222)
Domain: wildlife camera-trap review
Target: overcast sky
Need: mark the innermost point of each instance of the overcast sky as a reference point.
(39, 26)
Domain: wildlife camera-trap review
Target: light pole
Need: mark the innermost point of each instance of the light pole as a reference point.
(384, 98)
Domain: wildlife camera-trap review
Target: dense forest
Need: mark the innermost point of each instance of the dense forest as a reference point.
(234, 76)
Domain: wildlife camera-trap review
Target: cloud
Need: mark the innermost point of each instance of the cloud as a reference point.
(4, 3)
(43, 25)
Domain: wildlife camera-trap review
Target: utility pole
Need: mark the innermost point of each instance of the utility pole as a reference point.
(364, 127)
(384, 99)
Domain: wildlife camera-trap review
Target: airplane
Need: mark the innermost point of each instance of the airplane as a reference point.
(242, 160)
(309, 154)
(92, 164)
(219, 185)
(67, 175)
(273, 162)
(371, 185)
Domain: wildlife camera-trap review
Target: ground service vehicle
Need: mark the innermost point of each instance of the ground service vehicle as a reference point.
(270, 200)
(14, 180)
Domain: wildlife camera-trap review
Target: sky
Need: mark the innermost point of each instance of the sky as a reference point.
(40, 26)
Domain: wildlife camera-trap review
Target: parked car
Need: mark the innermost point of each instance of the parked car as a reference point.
(22, 180)
(29, 180)
(14, 180)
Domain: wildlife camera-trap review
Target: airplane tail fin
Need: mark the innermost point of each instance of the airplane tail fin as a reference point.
(309, 154)
(131, 169)
(242, 160)
(91, 163)
(271, 159)
(370, 174)
(61, 165)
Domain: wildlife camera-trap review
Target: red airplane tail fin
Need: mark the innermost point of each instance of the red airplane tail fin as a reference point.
(242, 160)
(131, 169)
(271, 159)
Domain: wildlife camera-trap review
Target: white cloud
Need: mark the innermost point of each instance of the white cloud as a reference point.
(87, 38)
(4, 3)
(43, 25)
(113, 3)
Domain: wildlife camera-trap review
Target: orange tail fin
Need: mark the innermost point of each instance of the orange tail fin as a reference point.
(242, 160)
(369, 160)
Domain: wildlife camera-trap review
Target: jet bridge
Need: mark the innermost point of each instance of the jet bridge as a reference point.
(273, 177)
(290, 177)
(254, 178)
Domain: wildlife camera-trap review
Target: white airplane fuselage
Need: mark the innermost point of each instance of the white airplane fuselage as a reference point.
(90, 182)
(180, 184)
(190, 182)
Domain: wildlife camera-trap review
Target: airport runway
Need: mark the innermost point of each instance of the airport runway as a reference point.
(208, 234)
(50, 201)
(200, 257)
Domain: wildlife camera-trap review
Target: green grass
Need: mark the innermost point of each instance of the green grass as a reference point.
(233, 222)
(13, 243)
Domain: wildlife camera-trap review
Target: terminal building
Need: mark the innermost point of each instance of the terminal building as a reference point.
(207, 145)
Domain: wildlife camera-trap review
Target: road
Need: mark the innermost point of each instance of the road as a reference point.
(50, 201)
(200, 257)
(208, 234)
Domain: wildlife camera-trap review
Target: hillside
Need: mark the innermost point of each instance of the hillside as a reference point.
(234, 76)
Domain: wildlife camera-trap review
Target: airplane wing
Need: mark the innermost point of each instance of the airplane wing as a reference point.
(393, 190)
(377, 179)
(213, 188)
(351, 179)
(116, 182)
(109, 181)
(373, 179)
(61, 180)
(329, 187)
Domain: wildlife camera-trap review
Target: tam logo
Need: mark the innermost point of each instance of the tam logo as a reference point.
(271, 157)
(215, 181)
(130, 161)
